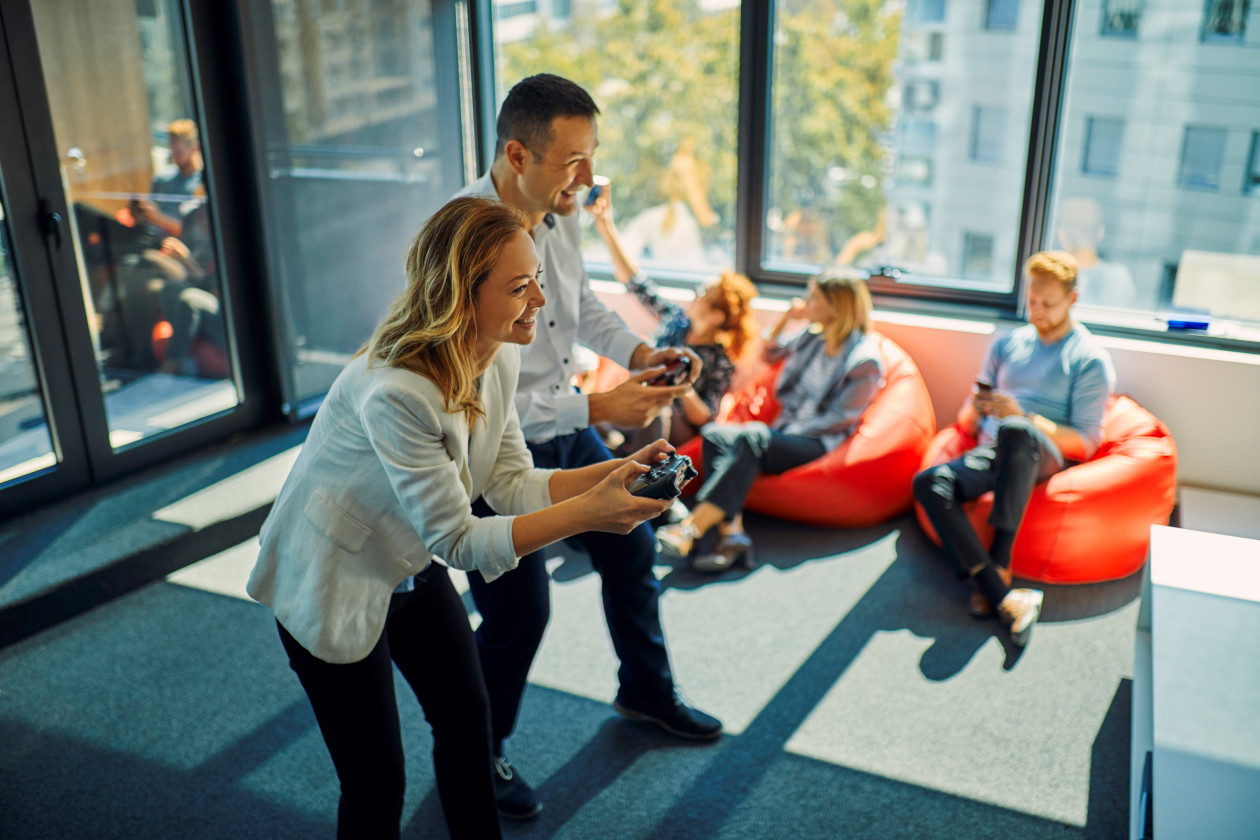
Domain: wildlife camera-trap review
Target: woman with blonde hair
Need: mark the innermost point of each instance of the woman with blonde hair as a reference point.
(421, 422)
(831, 372)
(719, 325)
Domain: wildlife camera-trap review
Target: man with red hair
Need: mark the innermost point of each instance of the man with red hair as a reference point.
(1037, 405)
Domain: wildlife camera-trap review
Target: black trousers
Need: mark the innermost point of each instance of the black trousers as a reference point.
(515, 607)
(1011, 466)
(735, 454)
(427, 635)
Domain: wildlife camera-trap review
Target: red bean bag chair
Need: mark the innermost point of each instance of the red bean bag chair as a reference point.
(867, 478)
(1092, 521)
(211, 361)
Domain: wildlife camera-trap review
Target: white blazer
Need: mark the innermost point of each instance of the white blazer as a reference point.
(385, 482)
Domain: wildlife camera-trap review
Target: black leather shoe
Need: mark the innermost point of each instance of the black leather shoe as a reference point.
(513, 796)
(672, 714)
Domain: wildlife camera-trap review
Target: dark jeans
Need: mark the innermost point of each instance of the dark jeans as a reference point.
(428, 637)
(735, 454)
(515, 607)
(192, 312)
(1011, 466)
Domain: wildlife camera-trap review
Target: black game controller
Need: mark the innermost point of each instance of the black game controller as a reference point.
(676, 372)
(666, 479)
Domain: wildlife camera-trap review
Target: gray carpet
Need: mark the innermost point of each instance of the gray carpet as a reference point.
(860, 701)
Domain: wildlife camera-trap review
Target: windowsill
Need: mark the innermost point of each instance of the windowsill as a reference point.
(1116, 329)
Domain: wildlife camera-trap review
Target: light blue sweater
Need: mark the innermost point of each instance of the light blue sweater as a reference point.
(1067, 382)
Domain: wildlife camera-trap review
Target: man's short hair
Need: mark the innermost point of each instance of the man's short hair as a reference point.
(1053, 265)
(183, 129)
(532, 104)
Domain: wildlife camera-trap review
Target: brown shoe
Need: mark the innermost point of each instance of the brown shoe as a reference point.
(1019, 611)
(980, 606)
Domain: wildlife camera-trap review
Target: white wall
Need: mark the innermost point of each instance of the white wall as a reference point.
(1210, 399)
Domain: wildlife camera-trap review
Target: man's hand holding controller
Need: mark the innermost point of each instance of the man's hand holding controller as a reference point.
(636, 401)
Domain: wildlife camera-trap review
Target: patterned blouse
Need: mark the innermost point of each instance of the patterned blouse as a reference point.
(715, 376)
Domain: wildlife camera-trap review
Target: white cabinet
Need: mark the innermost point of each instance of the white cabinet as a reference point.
(1196, 687)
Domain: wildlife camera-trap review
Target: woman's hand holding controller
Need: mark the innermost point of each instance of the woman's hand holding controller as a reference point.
(609, 507)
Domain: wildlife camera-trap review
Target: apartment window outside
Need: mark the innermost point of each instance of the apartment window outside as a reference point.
(503, 11)
(936, 46)
(920, 95)
(988, 134)
(928, 11)
(977, 255)
(1121, 18)
(665, 76)
(1251, 182)
(1225, 20)
(1202, 154)
(1192, 241)
(1103, 139)
(1001, 14)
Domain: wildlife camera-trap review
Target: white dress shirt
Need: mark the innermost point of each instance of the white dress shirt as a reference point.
(545, 399)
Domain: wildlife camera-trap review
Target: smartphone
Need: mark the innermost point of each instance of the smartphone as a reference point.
(676, 372)
(984, 387)
(593, 196)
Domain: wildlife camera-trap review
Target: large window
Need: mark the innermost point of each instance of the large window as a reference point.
(881, 159)
(665, 76)
(1173, 226)
(899, 136)
(358, 116)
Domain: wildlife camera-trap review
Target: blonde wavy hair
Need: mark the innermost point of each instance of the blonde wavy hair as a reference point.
(431, 328)
(846, 291)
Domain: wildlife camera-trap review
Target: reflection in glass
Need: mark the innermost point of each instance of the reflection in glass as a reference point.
(665, 76)
(361, 148)
(886, 153)
(1172, 226)
(25, 444)
(132, 169)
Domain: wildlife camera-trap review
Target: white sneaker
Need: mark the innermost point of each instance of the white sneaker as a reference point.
(1019, 610)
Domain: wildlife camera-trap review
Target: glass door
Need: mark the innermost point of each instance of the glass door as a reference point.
(28, 446)
(133, 171)
(122, 213)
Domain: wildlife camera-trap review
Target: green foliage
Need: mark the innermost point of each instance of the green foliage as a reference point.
(833, 63)
(663, 71)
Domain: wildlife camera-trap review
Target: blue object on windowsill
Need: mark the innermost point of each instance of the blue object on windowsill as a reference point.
(1188, 319)
(1188, 324)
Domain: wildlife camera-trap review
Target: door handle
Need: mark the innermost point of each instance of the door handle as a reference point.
(50, 223)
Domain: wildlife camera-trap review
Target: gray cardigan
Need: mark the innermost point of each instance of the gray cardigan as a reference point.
(855, 377)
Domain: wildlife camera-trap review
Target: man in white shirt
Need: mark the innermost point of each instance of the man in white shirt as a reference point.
(547, 137)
